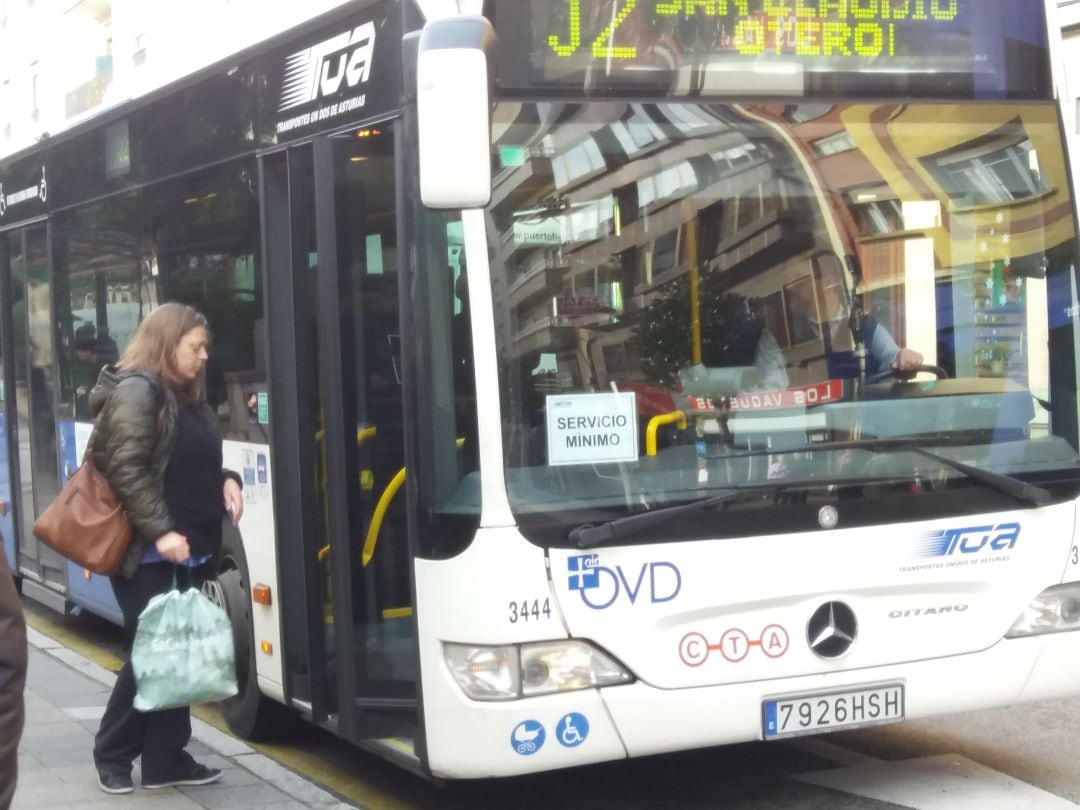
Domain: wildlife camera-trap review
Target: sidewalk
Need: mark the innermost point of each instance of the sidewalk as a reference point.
(65, 697)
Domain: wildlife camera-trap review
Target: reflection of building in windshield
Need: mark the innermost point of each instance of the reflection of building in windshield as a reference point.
(632, 241)
(598, 211)
(948, 225)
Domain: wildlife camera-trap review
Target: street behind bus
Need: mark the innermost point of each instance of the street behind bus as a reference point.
(1014, 758)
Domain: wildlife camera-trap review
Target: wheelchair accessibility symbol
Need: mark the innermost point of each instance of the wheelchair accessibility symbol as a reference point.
(572, 730)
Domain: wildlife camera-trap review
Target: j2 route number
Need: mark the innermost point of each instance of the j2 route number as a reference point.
(601, 47)
(525, 610)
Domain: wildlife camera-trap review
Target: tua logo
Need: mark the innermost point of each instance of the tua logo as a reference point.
(601, 587)
(969, 540)
(321, 69)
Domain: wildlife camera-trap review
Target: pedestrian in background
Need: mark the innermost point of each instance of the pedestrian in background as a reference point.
(155, 441)
(12, 681)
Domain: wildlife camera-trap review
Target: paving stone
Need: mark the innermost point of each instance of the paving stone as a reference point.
(65, 698)
(221, 795)
(294, 785)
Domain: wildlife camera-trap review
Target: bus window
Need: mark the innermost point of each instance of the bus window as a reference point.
(732, 278)
(97, 288)
(365, 204)
(447, 479)
(203, 237)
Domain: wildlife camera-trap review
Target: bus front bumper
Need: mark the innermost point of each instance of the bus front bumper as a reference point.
(469, 739)
(653, 721)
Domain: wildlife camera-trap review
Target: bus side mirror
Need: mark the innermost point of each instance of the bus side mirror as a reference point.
(454, 112)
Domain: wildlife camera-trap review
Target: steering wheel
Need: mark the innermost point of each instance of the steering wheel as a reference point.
(902, 374)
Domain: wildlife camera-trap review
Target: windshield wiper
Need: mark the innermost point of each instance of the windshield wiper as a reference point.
(591, 535)
(999, 482)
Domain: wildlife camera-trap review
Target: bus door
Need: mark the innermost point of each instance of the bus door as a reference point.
(340, 195)
(29, 410)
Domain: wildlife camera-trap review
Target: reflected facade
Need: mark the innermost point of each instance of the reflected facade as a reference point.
(758, 269)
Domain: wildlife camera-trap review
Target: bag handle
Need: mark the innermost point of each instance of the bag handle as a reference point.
(177, 568)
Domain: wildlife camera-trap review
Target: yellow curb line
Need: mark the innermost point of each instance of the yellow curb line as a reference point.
(309, 765)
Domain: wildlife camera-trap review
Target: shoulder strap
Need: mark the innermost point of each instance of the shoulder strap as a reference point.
(159, 400)
(155, 382)
(159, 393)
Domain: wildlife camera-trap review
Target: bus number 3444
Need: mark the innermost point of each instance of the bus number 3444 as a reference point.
(525, 610)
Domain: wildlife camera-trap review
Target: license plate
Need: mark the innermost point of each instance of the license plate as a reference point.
(835, 711)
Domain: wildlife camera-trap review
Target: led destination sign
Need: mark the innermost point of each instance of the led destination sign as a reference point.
(968, 48)
(842, 28)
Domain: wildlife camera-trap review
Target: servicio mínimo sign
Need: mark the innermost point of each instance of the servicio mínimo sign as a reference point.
(591, 428)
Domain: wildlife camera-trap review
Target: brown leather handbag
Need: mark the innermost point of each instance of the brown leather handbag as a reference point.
(86, 522)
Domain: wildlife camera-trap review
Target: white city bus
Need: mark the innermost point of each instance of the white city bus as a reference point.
(710, 227)
(556, 348)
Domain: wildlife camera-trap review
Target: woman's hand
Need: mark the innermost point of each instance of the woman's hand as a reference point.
(173, 546)
(234, 500)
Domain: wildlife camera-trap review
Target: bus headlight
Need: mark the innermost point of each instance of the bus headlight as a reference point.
(485, 673)
(1054, 610)
(514, 671)
(561, 666)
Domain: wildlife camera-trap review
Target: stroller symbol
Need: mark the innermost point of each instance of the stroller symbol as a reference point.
(528, 737)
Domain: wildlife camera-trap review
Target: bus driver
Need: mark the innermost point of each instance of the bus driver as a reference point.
(831, 325)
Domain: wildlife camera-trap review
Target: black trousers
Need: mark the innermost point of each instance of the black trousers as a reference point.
(125, 732)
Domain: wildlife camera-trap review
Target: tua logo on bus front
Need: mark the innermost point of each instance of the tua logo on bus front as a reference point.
(319, 70)
(968, 540)
(601, 587)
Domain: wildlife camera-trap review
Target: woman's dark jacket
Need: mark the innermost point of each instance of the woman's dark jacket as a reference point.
(12, 680)
(135, 418)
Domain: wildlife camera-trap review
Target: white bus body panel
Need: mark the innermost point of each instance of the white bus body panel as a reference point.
(919, 590)
(934, 623)
(260, 548)
(497, 568)
(466, 599)
(1072, 562)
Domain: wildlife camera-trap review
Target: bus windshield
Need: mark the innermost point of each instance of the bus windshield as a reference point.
(695, 298)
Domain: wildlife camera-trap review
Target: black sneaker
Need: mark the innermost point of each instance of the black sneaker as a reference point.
(111, 781)
(195, 774)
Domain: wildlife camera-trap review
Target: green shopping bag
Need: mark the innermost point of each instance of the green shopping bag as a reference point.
(183, 652)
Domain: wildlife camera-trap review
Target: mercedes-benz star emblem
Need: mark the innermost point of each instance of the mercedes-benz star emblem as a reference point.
(831, 630)
(828, 517)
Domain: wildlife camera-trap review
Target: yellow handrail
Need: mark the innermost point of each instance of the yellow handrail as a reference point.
(677, 417)
(366, 478)
(381, 508)
(377, 518)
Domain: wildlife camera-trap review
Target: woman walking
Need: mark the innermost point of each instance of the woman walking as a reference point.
(156, 444)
